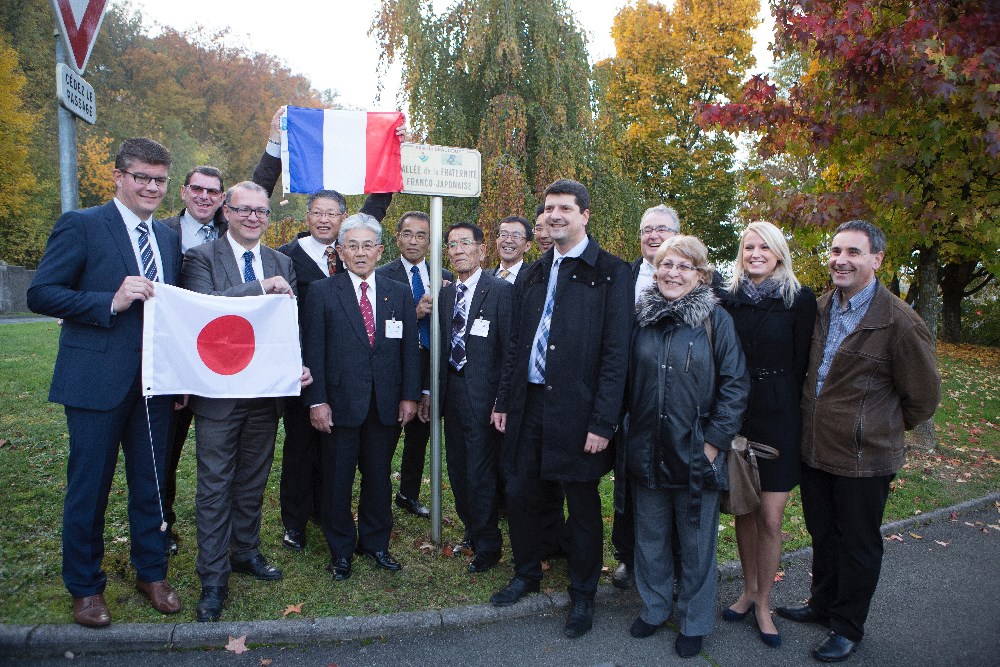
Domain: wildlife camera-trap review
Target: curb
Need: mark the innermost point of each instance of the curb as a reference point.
(57, 639)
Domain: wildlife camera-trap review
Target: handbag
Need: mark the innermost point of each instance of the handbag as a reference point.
(743, 495)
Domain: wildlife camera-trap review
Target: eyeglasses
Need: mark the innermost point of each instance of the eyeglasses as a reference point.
(682, 268)
(662, 229)
(198, 190)
(326, 215)
(407, 235)
(461, 243)
(246, 211)
(517, 236)
(367, 246)
(144, 179)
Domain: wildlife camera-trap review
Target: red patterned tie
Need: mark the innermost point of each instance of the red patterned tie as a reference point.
(331, 260)
(367, 315)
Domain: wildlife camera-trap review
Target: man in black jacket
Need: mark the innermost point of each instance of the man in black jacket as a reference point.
(560, 396)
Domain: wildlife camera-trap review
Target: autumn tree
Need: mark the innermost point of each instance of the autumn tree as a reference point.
(670, 60)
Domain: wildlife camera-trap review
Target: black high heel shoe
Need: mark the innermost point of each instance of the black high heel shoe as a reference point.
(733, 616)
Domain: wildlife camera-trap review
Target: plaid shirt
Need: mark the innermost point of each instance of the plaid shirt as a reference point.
(843, 322)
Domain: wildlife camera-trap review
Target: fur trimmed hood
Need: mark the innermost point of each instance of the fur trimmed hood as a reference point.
(691, 309)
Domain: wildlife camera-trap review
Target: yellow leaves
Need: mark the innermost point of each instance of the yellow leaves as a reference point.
(95, 162)
(292, 609)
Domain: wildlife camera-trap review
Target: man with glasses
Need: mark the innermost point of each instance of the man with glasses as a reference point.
(99, 266)
(360, 337)
(201, 220)
(413, 236)
(542, 238)
(513, 239)
(235, 436)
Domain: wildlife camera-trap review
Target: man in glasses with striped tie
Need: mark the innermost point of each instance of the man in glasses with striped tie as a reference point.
(100, 264)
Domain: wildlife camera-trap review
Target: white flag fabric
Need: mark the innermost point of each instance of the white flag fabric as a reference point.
(220, 346)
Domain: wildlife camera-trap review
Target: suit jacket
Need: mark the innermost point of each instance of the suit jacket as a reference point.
(395, 270)
(346, 369)
(306, 272)
(174, 222)
(211, 268)
(88, 256)
(484, 354)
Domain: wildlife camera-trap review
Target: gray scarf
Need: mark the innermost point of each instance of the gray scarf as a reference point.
(691, 309)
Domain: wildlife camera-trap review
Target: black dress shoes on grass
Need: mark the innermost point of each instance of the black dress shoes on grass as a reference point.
(483, 563)
(383, 559)
(413, 506)
(622, 578)
(210, 604)
(340, 568)
(834, 648)
(258, 567)
(514, 591)
(295, 540)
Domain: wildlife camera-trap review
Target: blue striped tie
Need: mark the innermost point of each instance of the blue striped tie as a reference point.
(423, 324)
(248, 275)
(541, 345)
(457, 360)
(146, 252)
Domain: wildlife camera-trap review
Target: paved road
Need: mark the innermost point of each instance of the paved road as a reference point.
(936, 605)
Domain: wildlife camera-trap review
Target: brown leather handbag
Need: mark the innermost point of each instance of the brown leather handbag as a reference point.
(743, 495)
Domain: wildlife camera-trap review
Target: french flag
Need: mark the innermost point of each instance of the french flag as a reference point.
(352, 152)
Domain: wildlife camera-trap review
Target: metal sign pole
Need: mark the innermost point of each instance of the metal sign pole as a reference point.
(69, 182)
(434, 268)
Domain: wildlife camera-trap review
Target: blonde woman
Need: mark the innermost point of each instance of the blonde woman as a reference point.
(774, 316)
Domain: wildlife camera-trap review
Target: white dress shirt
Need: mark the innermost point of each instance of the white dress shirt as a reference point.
(424, 275)
(357, 280)
(258, 266)
(645, 278)
(316, 252)
(131, 223)
(513, 271)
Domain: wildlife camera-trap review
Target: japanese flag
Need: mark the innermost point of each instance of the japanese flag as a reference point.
(220, 346)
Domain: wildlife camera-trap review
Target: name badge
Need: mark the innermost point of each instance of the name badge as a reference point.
(480, 327)
(393, 329)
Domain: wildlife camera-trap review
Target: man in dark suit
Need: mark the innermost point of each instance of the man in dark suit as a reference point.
(361, 340)
(475, 330)
(413, 236)
(200, 221)
(234, 437)
(513, 240)
(560, 397)
(98, 263)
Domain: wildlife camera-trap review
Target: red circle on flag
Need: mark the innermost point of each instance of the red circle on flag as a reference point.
(226, 344)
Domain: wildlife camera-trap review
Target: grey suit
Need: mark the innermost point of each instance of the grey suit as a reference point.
(234, 437)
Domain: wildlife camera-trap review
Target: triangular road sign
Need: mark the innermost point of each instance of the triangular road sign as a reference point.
(79, 22)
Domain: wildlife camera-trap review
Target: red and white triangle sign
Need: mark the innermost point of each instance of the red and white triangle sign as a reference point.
(79, 22)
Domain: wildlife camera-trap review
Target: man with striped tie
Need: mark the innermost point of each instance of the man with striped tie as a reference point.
(100, 264)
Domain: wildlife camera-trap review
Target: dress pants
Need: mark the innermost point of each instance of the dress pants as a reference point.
(844, 518)
(94, 439)
(416, 435)
(623, 528)
(301, 491)
(658, 514)
(526, 510)
(472, 453)
(180, 424)
(347, 449)
(234, 460)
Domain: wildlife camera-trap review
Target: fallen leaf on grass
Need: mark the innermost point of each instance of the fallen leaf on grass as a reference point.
(265, 662)
(605, 569)
(944, 544)
(292, 609)
(779, 576)
(425, 547)
(916, 537)
(953, 516)
(895, 536)
(448, 550)
(3, 441)
(237, 645)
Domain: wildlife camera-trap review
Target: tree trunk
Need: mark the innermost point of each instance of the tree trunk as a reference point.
(954, 278)
(926, 305)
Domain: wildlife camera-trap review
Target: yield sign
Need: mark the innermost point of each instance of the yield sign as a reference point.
(79, 21)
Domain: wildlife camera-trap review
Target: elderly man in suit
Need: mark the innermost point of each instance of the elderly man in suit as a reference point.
(361, 340)
(513, 240)
(234, 437)
(200, 221)
(475, 318)
(560, 397)
(99, 262)
(413, 236)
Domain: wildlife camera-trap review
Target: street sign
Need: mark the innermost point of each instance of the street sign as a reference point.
(79, 22)
(75, 94)
(441, 171)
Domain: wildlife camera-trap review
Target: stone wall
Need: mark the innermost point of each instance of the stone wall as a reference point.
(14, 282)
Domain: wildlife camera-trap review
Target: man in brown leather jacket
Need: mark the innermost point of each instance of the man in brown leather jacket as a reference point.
(872, 375)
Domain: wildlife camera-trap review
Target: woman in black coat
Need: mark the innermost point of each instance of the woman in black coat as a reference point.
(774, 317)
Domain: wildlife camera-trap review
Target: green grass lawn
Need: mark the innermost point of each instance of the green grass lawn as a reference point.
(33, 445)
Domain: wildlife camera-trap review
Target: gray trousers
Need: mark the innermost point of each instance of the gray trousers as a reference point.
(234, 460)
(656, 510)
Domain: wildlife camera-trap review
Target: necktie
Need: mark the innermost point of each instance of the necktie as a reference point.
(423, 324)
(367, 315)
(207, 232)
(248, 275)
(146, 252)
(331, 260)
(542, 343)
(504, 273)
(458, 330)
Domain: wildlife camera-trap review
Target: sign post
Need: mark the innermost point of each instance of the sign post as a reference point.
(438, 171)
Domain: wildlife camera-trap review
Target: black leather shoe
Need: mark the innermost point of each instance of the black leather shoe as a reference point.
(340, 568)
(802, 613)
(580, 618)
(210, 604)
(622, 577)
(294, 539)
(483, 563)
(687, 646)
(514, 591)
(258, 567)
(834, 648)
(383, 559)
(413, 506)
(641, 629)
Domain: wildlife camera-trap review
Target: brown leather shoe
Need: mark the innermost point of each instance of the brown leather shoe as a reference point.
(163, 598)
(91, 611)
